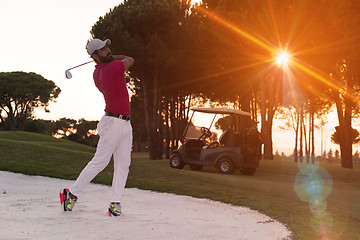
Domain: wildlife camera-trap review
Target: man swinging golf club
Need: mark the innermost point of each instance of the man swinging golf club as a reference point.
(114, 128)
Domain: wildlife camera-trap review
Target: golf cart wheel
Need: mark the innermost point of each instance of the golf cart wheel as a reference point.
(226, 166)
(176, 161)
(248, 171)
(196, 167)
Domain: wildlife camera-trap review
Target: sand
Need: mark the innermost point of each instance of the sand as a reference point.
(30, 209)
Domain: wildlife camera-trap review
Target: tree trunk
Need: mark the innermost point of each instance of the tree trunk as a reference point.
(147, 109)
(305, 141)
(178, 121)
(183, 114)
(266, 131)
(11, 117)
(167, 128)
(1, 119)
(137, 144)
(345, 146)
(270, 95)
(346, 155)
(156, 138)
(309, 136)
(159, 129)
(296, 152)
(188, 108)
(267, 115)
(346, 150)
(344, 129)
(23, 116)
(312, 135)
(173, 122)
(301, 153)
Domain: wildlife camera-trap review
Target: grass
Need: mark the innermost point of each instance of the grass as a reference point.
(270, 190)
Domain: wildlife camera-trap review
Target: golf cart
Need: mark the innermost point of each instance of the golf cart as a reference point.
(238, 147)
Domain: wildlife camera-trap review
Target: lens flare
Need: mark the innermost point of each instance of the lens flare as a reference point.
(282, 58)
(265, 44)
(313, 184)
(317, 205)
(305, 167)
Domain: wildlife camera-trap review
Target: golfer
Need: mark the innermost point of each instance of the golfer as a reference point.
(114, 128)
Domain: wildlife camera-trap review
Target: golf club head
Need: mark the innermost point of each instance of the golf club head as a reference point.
(68, 74)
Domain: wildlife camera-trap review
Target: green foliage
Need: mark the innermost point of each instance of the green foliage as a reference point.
(157, 34)
(64, 124)
(355, 138)
(40, 126)
(137, 122)
(81, 131)
(185, 52)
(21, 92)
(83, 126)
(160, 36)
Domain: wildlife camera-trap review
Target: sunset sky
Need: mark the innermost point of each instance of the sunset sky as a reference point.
(49, 36)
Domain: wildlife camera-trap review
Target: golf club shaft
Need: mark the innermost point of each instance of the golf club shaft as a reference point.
(80, 65)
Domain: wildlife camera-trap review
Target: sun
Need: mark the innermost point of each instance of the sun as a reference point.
(282, 58)
(195, 2)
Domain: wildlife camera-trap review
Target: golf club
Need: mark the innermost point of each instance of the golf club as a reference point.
(68, 74)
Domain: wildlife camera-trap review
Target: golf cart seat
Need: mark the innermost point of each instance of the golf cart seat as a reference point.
(193, 148)
(194, 145)
(227, 139)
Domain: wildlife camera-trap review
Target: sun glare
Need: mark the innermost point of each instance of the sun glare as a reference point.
(282, 58)
(195, 2)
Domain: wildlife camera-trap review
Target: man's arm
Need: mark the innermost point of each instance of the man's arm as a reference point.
(128, 61)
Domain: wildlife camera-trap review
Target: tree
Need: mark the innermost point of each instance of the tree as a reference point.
(330, 154)
(339, 60)
(182, 54)
(84, 132)
(21, 92)
(155, 34)
(356, 157)
(85, 128)
(40, 126)
(275, 25)
(137, 121)
(244, 74)
(310, 30)
(2, 120)
(291, 117)
(62, 126)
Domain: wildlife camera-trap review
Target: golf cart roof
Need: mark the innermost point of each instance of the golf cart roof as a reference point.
(221, 111)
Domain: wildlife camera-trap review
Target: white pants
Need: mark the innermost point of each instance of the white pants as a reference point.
(115, 139)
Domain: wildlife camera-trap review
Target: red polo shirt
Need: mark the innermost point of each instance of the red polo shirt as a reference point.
(109, 79)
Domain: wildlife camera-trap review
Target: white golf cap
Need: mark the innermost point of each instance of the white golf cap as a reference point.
(96, 44)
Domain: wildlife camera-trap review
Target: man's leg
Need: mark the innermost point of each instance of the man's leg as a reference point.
(122, 159)
(109, 139)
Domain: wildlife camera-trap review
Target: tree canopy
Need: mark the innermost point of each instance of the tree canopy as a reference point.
(21, 92)
(159, 35)
(224, 51)
(335, 137)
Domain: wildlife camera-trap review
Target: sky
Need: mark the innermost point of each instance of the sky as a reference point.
(49, 36)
